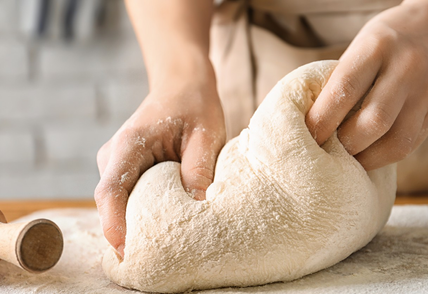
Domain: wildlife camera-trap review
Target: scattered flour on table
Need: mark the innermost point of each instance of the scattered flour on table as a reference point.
(395, 262)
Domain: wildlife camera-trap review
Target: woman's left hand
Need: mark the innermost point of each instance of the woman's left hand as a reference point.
(389, 56)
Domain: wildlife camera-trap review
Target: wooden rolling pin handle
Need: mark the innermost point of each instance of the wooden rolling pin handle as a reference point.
(35, 246)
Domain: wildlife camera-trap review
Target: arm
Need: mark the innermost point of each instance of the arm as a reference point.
(390, 53)
(181, 119)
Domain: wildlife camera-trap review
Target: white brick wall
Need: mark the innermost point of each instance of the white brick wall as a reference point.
(123, 97)
(59, 102)
(44, 103)
(96, 60)
(13, 61)
(16, 147)
(48, 185)
(8, 18)
(80, 142)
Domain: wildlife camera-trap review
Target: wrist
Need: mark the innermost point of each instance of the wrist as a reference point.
(184, 67)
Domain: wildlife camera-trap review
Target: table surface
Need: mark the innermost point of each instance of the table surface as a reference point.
(16, 209)
(394, 262)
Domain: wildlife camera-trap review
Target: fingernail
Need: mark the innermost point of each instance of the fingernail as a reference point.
(121, 251)
(198, 194)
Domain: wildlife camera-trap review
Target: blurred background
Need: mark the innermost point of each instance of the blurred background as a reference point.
(71, 73)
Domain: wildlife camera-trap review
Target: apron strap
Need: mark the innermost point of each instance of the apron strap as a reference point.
(303, 7)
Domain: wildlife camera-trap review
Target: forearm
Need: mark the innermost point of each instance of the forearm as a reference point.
(174, 37)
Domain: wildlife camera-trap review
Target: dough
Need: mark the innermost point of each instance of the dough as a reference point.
(280, 207)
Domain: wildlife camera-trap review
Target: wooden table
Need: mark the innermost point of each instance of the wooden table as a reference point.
(15, 209)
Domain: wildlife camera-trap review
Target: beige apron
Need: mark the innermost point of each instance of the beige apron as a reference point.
(255, 43)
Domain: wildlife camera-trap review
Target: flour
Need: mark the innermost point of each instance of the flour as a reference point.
(78, 270)
(395, 262)
(124, 177)
(280, 207)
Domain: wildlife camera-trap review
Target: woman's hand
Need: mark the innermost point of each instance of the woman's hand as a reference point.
(389, 59)
(180, 120)
(181, 123)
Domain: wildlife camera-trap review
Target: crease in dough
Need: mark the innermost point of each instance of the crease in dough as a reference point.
(280, 206)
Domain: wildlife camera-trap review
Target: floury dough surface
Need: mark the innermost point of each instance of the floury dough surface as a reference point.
(396, 261)
(280, 207)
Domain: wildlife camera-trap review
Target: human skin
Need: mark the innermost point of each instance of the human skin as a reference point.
(390, 53)
(182, 120)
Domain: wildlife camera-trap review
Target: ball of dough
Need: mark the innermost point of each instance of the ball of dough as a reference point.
(280, 206)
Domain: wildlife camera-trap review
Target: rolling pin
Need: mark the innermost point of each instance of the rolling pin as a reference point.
(34, 246)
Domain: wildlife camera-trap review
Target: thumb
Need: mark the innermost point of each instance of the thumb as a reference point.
(198, 162)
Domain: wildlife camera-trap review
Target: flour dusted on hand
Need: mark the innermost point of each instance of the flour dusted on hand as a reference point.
(280, 207)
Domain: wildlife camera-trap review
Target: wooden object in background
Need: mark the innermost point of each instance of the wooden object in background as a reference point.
(16, 209)
(35, 246)
(411, 199)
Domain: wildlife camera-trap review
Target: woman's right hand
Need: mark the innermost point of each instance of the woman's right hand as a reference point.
(180, 121)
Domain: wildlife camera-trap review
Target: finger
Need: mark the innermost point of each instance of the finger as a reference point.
(2, 218)
(198, 162)
(350, 80)
(376, 116)
(127, 162)
(103, 156)
(403, 137)
(424, 132)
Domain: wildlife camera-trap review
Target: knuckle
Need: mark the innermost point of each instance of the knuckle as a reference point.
(383, 37)
(347, 87)
(103, 152)
(321, 130)
(377, 47)
(125, 134)
(203, 171)
(99, 193)
(380, 121)
(388, 37)
(102, 192)
(413, 61)
(132, 137)
(321, 127)
(404, 148)
(201, 177)
(378, 42)
(110, 189)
